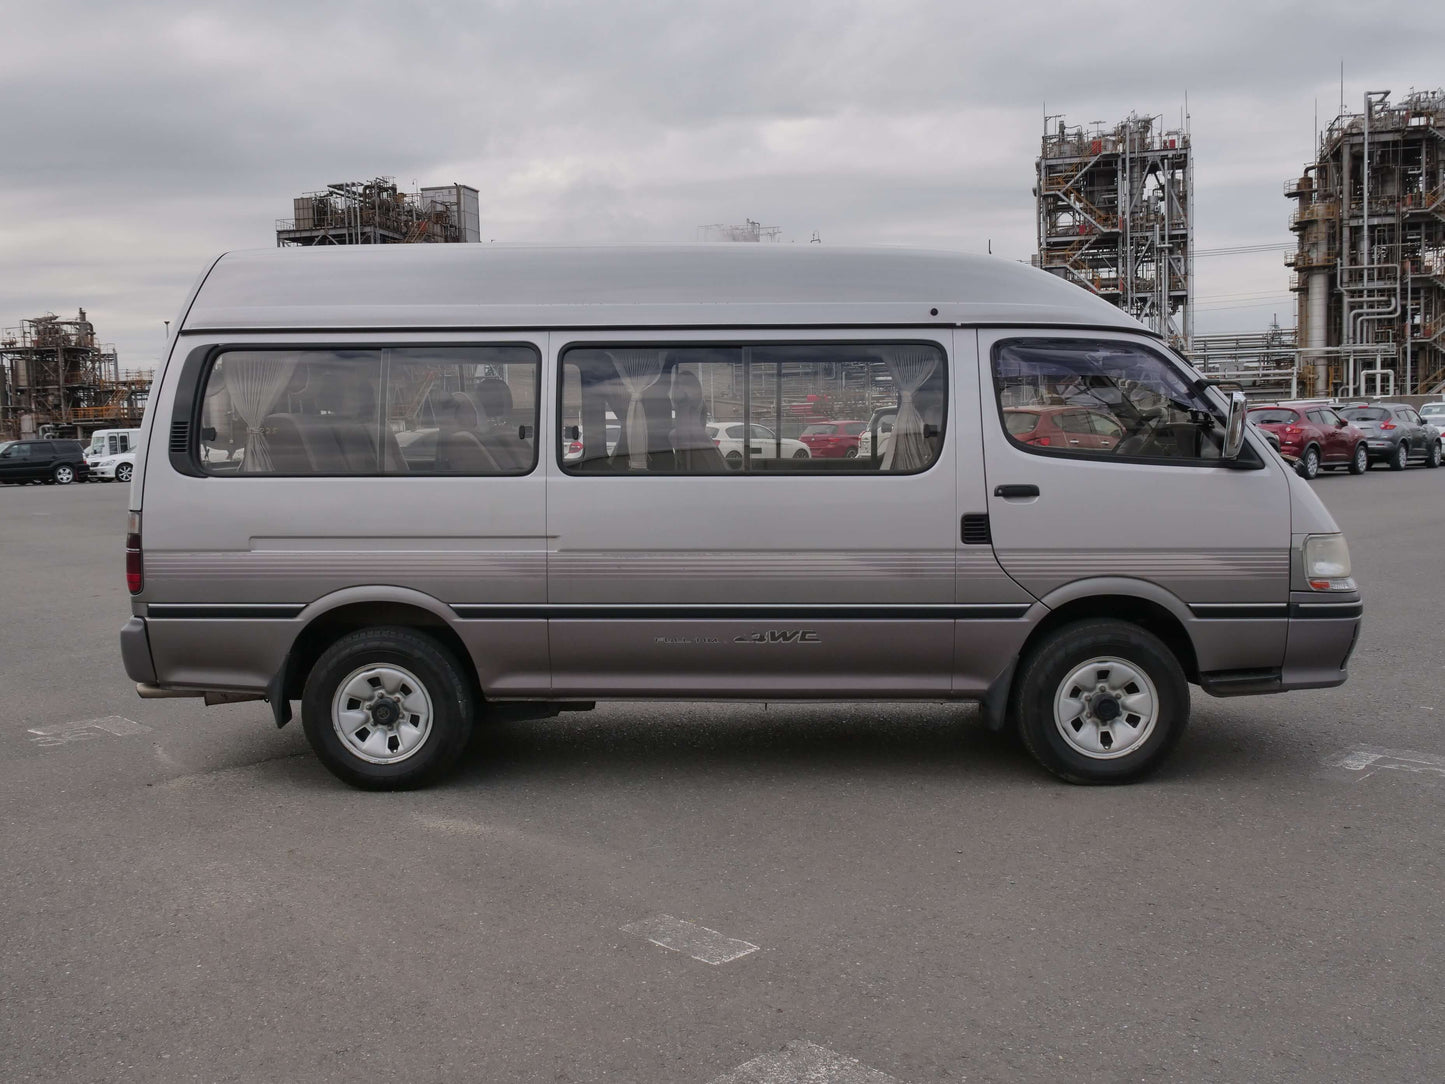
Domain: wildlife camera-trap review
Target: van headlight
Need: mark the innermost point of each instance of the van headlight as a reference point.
(1327, 563)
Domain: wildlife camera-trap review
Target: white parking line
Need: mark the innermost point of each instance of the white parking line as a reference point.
(1375, 759)
(47, 737)
(693, 940)
(804, 1063)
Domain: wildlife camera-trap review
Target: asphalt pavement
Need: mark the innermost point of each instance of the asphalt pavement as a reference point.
(721, 893)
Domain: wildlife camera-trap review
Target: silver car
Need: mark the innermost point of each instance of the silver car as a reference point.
(359, 492)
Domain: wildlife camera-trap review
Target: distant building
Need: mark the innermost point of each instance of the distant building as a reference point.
(376, 212)
(1115, 215)
(1371, 287)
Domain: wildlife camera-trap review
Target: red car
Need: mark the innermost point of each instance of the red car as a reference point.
(1315, 436)
(833, 440)
(1068, 427)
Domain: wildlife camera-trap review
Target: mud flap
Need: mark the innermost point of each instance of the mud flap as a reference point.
(276, 695)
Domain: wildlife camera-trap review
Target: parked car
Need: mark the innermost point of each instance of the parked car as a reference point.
(111, 454)
(1314, 436)
(1396, 434)
(1434, 413)
(833, 440)
(572, 446)
(881, 423)
(1063, 427)
(728, 436)
(52, 461)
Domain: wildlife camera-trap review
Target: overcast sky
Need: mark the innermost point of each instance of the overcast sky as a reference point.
(137, 141)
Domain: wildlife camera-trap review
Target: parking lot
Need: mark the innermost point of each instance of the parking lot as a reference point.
(719, 893)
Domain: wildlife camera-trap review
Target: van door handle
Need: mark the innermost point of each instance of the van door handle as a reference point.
(1016, 491)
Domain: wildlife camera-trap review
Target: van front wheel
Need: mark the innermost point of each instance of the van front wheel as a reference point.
(1101, 702)
(387, 709)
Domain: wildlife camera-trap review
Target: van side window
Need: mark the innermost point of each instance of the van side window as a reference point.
(1142, 407)
(770, 408)
(429, 410)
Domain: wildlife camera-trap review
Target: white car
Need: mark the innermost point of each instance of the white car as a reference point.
(882, 421)
(1434, 414)
(728, 436)
(111, 468)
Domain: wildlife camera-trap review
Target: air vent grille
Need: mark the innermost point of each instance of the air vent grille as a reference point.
(180, 437)
(975, 530)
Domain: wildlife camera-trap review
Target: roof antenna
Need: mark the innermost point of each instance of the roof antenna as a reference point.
(990, 246)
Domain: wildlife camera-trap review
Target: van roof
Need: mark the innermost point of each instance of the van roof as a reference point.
(369, 287)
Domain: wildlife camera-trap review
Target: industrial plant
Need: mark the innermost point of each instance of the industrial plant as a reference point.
(377, 212)
(1369, 269)
(1115, 216)
(60, 380)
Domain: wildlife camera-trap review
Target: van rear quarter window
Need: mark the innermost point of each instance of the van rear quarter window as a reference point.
(659, 409)
(467, 410)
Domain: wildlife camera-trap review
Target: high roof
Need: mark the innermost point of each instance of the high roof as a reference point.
(603, 286)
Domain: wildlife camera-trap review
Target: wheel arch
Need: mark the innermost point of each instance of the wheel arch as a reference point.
(1139, 602)
(333, 616)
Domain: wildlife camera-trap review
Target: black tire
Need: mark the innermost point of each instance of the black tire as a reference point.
(1308, 466)
(1360, 460)
(851, 453)
(1051, 662)
(443, 681)
(1433, 459)
(123, 472)
(801, 453)
(734, 460)
(63, 474)
(1400, 457)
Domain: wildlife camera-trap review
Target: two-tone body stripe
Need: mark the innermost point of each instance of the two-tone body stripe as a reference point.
(1255, 611)
(1321, 610)
(716, 612)
(1239, 611)
(280, 611)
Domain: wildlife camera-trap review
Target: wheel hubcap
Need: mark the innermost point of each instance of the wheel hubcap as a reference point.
(382, 714)
(1106, 708)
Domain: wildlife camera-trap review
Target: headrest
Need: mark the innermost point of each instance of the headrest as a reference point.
(457, 411)
(686, 388)
(496, 398)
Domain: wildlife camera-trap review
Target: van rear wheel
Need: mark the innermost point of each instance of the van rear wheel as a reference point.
(1101, 701)
(387, 708)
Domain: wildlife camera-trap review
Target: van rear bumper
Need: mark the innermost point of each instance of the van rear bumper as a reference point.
(135, 652)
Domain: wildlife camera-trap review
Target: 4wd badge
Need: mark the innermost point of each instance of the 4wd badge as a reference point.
(780, 636)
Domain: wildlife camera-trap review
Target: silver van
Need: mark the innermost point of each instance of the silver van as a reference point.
(382, 481)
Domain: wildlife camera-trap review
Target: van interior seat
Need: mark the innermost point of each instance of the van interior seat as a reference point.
(692, 447)
(493, 400)
(459, 449)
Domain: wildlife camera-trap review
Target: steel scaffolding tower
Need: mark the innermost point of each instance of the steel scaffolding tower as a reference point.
(1115, 215)
(56, 377)
(1369, 269)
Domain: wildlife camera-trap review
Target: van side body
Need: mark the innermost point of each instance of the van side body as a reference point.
(386, 438)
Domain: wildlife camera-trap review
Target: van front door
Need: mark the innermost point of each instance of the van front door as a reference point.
(1158, 515)
(672, 569)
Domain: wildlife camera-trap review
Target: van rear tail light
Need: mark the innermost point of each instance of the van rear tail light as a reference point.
(134, 564)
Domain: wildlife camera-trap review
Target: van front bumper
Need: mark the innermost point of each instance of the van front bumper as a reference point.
(1320, 638)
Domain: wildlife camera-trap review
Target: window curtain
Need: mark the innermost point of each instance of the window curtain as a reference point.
(256, 383)
(911, 366)
(639, 370)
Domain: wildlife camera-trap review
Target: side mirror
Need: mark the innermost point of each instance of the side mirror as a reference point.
(1234, 427)
(1341, 423)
